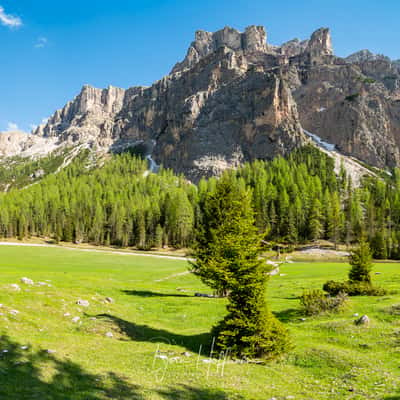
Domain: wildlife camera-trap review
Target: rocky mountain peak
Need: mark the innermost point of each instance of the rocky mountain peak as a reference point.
(89, 115)
(253, 39)
(234, 98)
(293, 47)
(320, 43)
(92, 99)
(365, 55)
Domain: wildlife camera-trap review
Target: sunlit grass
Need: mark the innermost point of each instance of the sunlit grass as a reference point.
(154, 308)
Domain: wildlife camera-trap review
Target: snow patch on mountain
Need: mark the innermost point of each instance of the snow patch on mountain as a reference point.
(320, 142)
(352, 166)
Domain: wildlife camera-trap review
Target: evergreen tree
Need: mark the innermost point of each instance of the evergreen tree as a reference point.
(158, 237)
(227, 258)
(315, 223)
(360, 260)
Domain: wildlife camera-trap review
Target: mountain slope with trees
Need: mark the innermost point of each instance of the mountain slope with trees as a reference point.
(297, 199)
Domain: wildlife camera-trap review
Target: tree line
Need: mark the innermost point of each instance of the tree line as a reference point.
(297, 199)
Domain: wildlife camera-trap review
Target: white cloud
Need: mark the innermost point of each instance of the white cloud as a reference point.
(12, 126)
(41, 42)
(9, 20)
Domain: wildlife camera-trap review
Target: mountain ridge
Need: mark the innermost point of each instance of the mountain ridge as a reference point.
(235, 97)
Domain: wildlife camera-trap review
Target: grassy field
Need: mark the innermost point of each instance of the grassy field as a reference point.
(45, 355)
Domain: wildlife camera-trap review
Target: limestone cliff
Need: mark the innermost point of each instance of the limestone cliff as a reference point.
(235, 97)
(89, 117)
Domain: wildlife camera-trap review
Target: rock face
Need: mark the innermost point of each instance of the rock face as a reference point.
(320, 43)
(365, 55)
(25, 145)
(254, 39)
(235, 98)
(89, 117)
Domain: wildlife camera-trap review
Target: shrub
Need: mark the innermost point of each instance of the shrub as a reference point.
(316, 302)
(353, 288)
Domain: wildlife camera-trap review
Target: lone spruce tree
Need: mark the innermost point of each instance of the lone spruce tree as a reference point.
(227, 259)
(360, 260)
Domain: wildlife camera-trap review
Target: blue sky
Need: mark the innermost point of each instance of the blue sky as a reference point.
(51, 48)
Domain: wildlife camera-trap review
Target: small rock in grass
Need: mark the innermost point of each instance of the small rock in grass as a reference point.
(303, 319)
(83, 303)
(15, 287)
(206, 361)
(67, 314)
(109, 334)
(203, 295)
(93, 318)
(162, 357)
(5, 351)
(75, 319)
(364, 320)
(24, 347)
(27, 281)
(14, 312)
(49, 351)
(186, 354)
(109, 300)
(355, 314)
(43, 284)
(289, 397)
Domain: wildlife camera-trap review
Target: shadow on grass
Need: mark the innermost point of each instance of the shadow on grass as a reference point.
(191, 393)
(148, 293)
(21, 378)
(288, 315)
(145, 333)
(395, 397)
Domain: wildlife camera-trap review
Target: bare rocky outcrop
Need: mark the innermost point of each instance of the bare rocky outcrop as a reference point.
(293, 47)
(320, 43)
(89, 117)
(365, 55)
(254, 39)
(23, 144)
(235, 98)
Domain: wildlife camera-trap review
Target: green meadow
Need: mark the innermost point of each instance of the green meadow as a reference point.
(152, 340)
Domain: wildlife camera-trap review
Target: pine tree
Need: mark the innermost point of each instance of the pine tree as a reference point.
(315, 224)
(379, 246)
(227, 258)
(158, 237)
(360, 260)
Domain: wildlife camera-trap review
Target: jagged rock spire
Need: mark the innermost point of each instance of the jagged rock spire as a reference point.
(320, 43)
(253, 39)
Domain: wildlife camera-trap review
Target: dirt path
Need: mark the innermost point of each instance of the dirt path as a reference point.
(122, 253)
